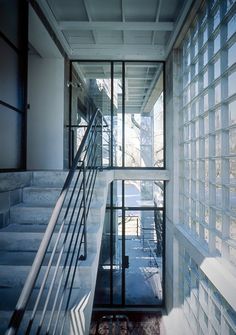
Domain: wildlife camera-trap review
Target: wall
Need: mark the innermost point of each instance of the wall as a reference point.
(200, 248)
(46, 113)
(46, 91)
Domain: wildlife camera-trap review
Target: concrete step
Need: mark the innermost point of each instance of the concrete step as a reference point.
(57, 178)
(48, 196)
(27, 243)
(14, 277)
(30, 213)
(49, 178)
(77, 296)
(20, 241)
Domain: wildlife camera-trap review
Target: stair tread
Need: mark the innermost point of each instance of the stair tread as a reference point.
(19, 241)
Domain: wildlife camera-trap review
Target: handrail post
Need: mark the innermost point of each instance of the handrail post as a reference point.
(84, 213)
(101, 141)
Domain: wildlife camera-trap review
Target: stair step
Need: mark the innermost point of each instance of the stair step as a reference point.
(10, 296)
(29, 242)
(48, 196)
(77, 296)
(20, 240)
(29, 213)
(14, 277)
(49, 178)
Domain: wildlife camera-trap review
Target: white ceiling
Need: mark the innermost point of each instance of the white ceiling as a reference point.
(116, 29)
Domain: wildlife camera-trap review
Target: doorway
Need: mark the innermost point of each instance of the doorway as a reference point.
(131, 258)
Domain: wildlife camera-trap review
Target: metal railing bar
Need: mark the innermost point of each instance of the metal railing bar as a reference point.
(64, 267)
(53, 253)
(74, 271)
(70, 244)
(70, 290)
(66, 235)
(73, 239)
(90, 196)
(67, 276)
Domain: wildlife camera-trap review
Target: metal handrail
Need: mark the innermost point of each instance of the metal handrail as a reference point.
(66, 247)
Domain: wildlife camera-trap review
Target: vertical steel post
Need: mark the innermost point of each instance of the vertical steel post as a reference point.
(85, 211)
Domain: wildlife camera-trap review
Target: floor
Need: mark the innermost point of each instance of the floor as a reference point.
(128, 323)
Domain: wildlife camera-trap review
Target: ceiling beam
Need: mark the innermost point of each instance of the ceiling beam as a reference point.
(147, 26)
(87, 8)
(157, 19)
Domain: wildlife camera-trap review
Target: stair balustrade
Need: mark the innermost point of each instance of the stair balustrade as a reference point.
(54, 282)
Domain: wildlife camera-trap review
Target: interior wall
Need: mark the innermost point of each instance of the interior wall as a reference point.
(46, 113)
(46, 90)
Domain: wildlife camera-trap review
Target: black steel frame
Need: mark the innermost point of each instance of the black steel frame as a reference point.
(123, 167)
(123, 63)
(124, 209)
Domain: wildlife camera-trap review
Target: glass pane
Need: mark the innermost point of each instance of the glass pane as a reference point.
(117, 115)
(143, 193)
(102, 292)
(143, 115)
(9, 20)
(117, 257)
(91, 90)
(143, 243)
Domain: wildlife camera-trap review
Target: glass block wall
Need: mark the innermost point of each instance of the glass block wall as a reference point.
(205, 309)
(208, 129)
(207, 132)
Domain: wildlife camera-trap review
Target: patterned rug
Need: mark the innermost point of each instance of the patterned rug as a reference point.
(130, 323)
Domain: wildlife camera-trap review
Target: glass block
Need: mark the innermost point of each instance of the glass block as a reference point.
(232, 141)
(231, 26)
(218, 144)
(217, 118)
(231, 83)
(216, 20)
(218, 221)
(232, 231)
(232, 255)
(230, 4)
(216, 44)
(205, 79)
(205, 57)
(206, 235)
(232, 55)
(218, 170)
(232, 112)
(205, 35)
(217, 69)
(232, 198)
(217, 93)
(205, 102)
(232, 169)
(218, 196)
(218, 244)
